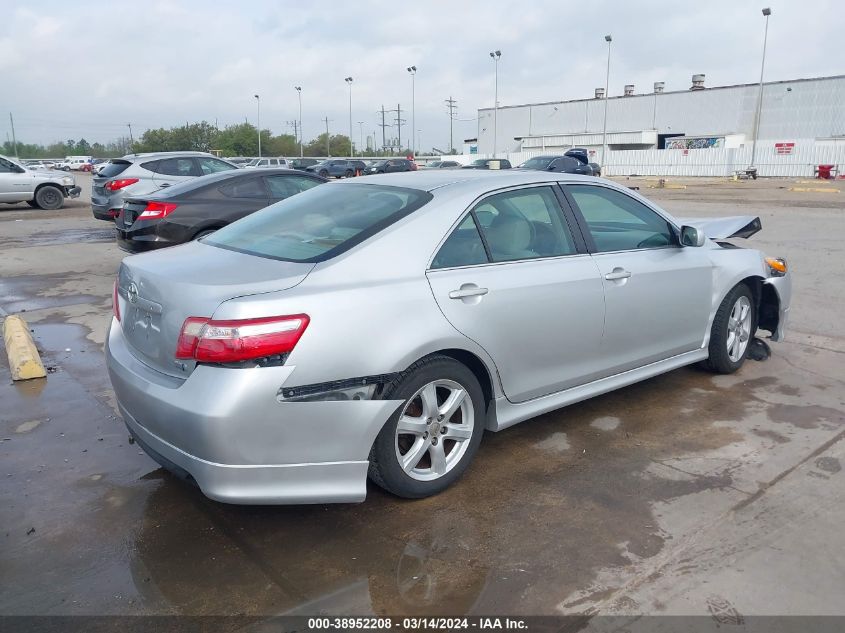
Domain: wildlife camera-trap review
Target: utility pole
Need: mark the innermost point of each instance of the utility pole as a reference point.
(361, 135)
(452, 105)
(348, 80)
(131, 138)
(608, 39)
(384, 127)
(399, 121)
(496, 55)
(295, 125)
(766, 13)
(413, 71)
(328, 149)
(299, 94)
(258, 106)
(14, 139)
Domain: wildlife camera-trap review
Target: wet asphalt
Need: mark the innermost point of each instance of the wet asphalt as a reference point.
(686, 493)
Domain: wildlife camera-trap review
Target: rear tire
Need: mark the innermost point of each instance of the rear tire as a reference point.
(442, 424)
(349, 173)
(49, 198)
(733, 329)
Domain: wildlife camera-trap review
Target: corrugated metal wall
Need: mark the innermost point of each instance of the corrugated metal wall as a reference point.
(799, 109)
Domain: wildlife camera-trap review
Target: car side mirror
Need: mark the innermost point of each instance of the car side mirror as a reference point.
(691, 236)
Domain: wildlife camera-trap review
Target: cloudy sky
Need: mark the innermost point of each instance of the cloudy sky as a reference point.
(80, 68)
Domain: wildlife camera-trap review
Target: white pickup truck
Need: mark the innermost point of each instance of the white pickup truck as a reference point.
(40, 189)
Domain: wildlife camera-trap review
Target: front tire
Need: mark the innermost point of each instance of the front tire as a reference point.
(733, 328)
(429, 442)
(49, 198)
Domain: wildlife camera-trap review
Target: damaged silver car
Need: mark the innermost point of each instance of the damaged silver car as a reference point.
(378, 326)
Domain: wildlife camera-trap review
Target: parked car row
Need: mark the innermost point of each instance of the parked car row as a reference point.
(166, 198)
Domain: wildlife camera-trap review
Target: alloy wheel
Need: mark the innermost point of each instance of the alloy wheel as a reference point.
(739, 328)
(434, 430)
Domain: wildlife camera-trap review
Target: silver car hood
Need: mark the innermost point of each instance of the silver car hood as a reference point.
(725, 228)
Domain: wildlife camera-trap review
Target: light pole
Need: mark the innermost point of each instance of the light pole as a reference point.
(766, 13)
(608, 39)
(258, 105)
(413, 71)
(348, 80)
(361, 136)
(496, 55)
(299, 93)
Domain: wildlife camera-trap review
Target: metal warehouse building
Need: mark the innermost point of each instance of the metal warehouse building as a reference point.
(800, 110)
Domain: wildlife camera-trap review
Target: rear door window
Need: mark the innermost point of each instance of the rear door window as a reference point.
(177, 167)
(212, 165)
(319, 223)
(524, 224)
(244, 188)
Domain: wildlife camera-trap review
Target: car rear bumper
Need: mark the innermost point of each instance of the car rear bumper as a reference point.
(103, 212)
(229, 431)
(141, 243)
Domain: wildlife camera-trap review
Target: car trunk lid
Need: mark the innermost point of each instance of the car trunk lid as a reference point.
(158, 291)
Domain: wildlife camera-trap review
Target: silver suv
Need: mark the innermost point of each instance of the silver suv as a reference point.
(140, 174)
(41, 189)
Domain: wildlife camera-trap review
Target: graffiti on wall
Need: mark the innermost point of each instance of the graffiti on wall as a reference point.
(703, 142)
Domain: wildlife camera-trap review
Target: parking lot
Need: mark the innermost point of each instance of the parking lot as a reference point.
(685, 494)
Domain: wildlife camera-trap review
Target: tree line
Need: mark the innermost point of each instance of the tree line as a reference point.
(233, 140)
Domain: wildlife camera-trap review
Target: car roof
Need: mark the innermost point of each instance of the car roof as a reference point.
(470, 179)
(168, 155)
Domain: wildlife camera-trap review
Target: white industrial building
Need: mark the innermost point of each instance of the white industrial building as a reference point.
(798, 112)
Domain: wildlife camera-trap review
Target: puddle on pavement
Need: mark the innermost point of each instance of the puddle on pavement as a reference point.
(544, 507)
(64, 236)
(26, 293)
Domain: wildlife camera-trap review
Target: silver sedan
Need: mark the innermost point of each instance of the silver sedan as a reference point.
(376, 327)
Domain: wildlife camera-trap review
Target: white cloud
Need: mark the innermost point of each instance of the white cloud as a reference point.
(72, 69)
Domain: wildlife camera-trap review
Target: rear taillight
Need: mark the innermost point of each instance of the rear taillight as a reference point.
(115, 306)
(114, 185)
(210, 341)
(157, 210)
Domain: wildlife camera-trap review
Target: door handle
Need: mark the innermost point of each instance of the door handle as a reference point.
(468, 291)
(618, 273)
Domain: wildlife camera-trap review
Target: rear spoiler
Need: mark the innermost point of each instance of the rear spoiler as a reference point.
(725, 228)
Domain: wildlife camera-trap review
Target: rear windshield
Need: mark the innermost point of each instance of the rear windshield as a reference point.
(114, 169)
(536, 163)
(319, 223)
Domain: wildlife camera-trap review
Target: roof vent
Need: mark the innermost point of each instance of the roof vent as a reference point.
(697, 82)
(599, 93)
(629, 90)
(659, 86)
